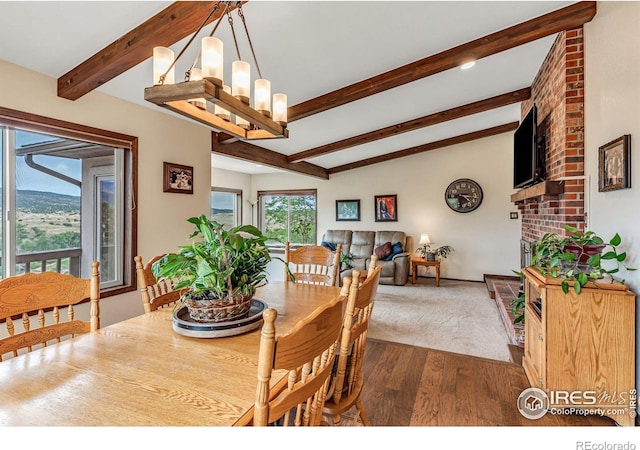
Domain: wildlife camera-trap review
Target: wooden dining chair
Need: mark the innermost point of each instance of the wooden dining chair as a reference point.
(348, 379)
(25, 302)
(156, 294)
(313, 264)
(308, 353)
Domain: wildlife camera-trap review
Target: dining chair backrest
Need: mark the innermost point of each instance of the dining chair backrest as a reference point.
(155, 294)
(307, 352)
(348, 379)
(29, 301)
(313, 264)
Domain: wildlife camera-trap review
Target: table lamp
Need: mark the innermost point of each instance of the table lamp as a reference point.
(425, 243)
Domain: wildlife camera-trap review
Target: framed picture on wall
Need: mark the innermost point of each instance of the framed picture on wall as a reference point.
(386, 208)
(177, 178)
(348, 210)
(614, 168)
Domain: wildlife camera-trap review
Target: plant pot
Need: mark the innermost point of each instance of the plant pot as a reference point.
(208, 310)
(431, 256)
(585, 252)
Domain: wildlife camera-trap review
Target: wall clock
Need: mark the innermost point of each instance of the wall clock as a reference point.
(463, 195)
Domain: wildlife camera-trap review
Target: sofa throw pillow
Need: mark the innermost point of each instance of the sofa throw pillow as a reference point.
(383, 251)
(331, 246)
(396, 249)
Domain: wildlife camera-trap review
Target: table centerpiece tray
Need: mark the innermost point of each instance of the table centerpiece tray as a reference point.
(184, 325)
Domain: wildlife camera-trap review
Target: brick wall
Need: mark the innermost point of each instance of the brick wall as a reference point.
(558, 93)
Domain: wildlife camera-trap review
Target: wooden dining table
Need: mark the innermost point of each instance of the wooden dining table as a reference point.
(140, 372)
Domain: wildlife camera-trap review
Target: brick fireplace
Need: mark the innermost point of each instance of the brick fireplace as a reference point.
(558, 93)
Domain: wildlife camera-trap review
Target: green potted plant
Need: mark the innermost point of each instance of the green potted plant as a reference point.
(517, 304)
(443, 252)
(430, 254)
(577, 257)
(346, 260)
(218, 273)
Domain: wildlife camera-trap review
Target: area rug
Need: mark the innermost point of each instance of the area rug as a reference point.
(458, 317)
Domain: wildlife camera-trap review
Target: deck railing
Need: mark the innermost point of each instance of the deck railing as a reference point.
(61, 261)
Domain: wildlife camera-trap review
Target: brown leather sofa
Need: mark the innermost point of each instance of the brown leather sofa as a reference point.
(363, 244)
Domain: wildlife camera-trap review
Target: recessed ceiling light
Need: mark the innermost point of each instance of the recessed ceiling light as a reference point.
(468, 65)
(259, 165)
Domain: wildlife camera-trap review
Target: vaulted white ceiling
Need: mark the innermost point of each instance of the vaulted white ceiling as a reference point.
(308, 49)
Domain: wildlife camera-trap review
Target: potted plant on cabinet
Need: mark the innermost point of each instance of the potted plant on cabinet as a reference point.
(577, 257)
(220, 272)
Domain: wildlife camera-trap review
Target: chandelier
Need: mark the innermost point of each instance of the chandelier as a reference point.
(204, 97)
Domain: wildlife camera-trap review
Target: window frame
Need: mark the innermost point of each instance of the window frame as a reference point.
(238, 206)
(42, 124)
(287, 192)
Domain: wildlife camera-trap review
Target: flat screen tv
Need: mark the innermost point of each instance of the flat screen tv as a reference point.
(526, 160)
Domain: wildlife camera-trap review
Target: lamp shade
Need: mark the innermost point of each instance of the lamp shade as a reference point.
(212, 58)
(262, 96)
(219, 110)
(162, 60)
(196, 74)
(280, 108)
(241, 81)
(243, 123)
(424, 239)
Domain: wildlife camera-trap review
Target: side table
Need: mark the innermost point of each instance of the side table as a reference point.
(418, 261)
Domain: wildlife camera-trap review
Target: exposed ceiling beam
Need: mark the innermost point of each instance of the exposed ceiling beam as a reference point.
(432, 119)
(426, 147)
(175, 22)
(249, 152)
(572, 16)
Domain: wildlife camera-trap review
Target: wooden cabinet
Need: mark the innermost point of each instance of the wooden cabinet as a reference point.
(580, 349)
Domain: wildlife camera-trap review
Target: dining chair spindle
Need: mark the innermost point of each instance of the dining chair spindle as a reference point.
(308, 353)
(29, 302)
(313, 264)
(348, 378)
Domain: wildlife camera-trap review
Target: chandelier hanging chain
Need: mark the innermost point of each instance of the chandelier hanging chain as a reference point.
(187, 74)
(253, 53)
(163, 76)
(233, 33)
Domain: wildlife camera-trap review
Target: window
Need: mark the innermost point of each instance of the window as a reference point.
(67, 200)
(226, 206)
(288, 216)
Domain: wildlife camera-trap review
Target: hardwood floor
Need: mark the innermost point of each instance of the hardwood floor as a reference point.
(415, 386)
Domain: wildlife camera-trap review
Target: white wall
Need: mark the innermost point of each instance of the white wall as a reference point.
(612, 109)
(486, 241)
(161, 216)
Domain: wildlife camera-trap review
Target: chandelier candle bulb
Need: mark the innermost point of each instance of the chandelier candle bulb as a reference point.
(262, 97)
(241, 81)
(242, 123)
(162, 60)
(219, 110)
(196, 74)
(212, 59)
(280, 109)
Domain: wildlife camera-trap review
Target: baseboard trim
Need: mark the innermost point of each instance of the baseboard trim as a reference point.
(500, 277)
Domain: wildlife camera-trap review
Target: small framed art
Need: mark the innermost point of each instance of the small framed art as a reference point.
(348, 210)
(178, 178)
(614, 164)
(386, 208)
